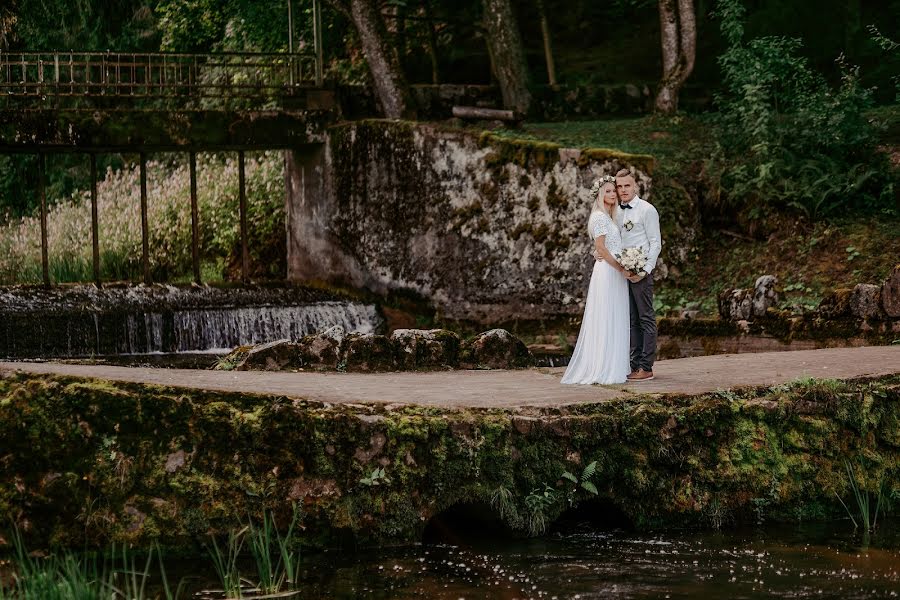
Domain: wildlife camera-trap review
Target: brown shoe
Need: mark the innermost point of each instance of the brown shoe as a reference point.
(632, 375)
(642, 375)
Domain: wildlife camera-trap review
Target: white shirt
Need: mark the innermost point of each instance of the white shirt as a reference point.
(643, 231)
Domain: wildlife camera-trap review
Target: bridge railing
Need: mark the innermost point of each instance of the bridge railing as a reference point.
(205, 79)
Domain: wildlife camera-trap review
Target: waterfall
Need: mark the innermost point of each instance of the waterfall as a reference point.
(218, 329)
(164, 319)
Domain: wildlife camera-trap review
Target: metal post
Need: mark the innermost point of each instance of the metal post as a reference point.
(95, 229)
(245, 254)
(42, 195)
(195, 219)
(317, 40)
(145, 230)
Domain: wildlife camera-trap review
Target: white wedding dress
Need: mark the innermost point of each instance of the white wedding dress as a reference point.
(601, 353)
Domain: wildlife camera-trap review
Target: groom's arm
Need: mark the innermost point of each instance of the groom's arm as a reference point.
(651, 226)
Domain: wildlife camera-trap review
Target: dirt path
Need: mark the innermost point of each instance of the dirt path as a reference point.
(505, 389)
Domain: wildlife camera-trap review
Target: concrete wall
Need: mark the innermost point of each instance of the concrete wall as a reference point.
(487, 229)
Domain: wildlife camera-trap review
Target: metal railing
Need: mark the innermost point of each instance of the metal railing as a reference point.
(157, 75)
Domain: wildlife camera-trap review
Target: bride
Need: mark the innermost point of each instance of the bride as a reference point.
(601, 353)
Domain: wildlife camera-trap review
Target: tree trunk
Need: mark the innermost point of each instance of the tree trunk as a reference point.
(548, 51)
(390, 84)
(432, 42)
(507, 54)
(678, 34)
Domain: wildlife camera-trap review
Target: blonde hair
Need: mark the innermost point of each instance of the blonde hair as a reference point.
(599, 205)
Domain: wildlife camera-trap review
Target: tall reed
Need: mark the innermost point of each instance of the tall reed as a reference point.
(169, 222)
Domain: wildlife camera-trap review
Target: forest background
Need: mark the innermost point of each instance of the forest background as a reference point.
(786, 136)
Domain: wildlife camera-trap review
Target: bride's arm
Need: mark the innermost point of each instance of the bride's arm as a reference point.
(604, 254)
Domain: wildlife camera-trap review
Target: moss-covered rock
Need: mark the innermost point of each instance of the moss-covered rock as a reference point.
(425, 349)
(495, 349)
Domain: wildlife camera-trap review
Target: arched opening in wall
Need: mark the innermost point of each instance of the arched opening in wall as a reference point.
(466, 523)
(596, 514)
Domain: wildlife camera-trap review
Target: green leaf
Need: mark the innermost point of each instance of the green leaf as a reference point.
(570, 476)
(590, 487)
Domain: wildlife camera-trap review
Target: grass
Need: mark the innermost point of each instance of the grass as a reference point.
(676, 142)
(67, 576)
(868, 519)
(120, 576)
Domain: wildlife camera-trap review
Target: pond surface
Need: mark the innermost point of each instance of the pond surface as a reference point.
(787, 562)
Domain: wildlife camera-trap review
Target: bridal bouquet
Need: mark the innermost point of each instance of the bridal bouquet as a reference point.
(632, 259)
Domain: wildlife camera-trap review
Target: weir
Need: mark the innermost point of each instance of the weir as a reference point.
(83, 321)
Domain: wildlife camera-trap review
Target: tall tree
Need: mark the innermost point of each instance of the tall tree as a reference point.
(678, 29)
(507, 54)
(390, 84)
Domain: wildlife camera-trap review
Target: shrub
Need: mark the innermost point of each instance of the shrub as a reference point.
(786, 138)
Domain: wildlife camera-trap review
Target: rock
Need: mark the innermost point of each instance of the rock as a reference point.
(735, 305)
(743, 304)
(175, 461)
(230, 361)
(865, 301)
(368, 352)
(273, 356)
(425, 349)
(890, 293)
(765, 295)
(322, 350)
(836, 305)
(495, 349)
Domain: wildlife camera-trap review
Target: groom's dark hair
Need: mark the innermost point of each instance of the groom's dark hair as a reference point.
(625, 173)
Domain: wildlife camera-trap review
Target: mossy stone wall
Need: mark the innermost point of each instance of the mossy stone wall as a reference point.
(91, 462)
(486, 228)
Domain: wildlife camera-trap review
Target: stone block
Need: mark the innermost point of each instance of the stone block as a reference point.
(273, 356)
(735, 304)
(368, 352)
(495, 349)
(323, 350)
(890, 293)
(865, 301)
(765, 295)
(425, 349)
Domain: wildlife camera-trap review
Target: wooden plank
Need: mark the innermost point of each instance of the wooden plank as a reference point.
(195, 219)
(95, 228)
(242, 196)
(476, 112)
(145, 227)
(42, 195)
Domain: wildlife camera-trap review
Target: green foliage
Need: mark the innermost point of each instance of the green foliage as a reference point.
(375, 478)
(868, 519)
(583, 482)
(225, 562)
(787, 140)
(538, 504)
(66, 575)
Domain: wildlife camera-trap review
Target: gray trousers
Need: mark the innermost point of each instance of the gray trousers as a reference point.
(643, 324)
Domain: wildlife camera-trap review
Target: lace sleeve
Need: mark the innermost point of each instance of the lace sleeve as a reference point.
(599, 225)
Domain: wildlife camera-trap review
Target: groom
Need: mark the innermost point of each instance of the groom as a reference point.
(639, 223)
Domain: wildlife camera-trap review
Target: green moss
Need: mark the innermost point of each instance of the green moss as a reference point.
(90, 462)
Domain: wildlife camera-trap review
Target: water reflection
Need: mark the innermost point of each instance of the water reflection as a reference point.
(808, 562)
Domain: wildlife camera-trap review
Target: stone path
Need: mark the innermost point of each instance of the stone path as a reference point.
(504, 389)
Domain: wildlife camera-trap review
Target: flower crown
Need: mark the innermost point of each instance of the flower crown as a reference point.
(598, 183)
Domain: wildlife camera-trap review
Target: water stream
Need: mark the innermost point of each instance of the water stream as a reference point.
(808, 561)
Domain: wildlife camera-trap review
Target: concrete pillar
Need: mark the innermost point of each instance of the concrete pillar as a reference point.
(313, 252)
